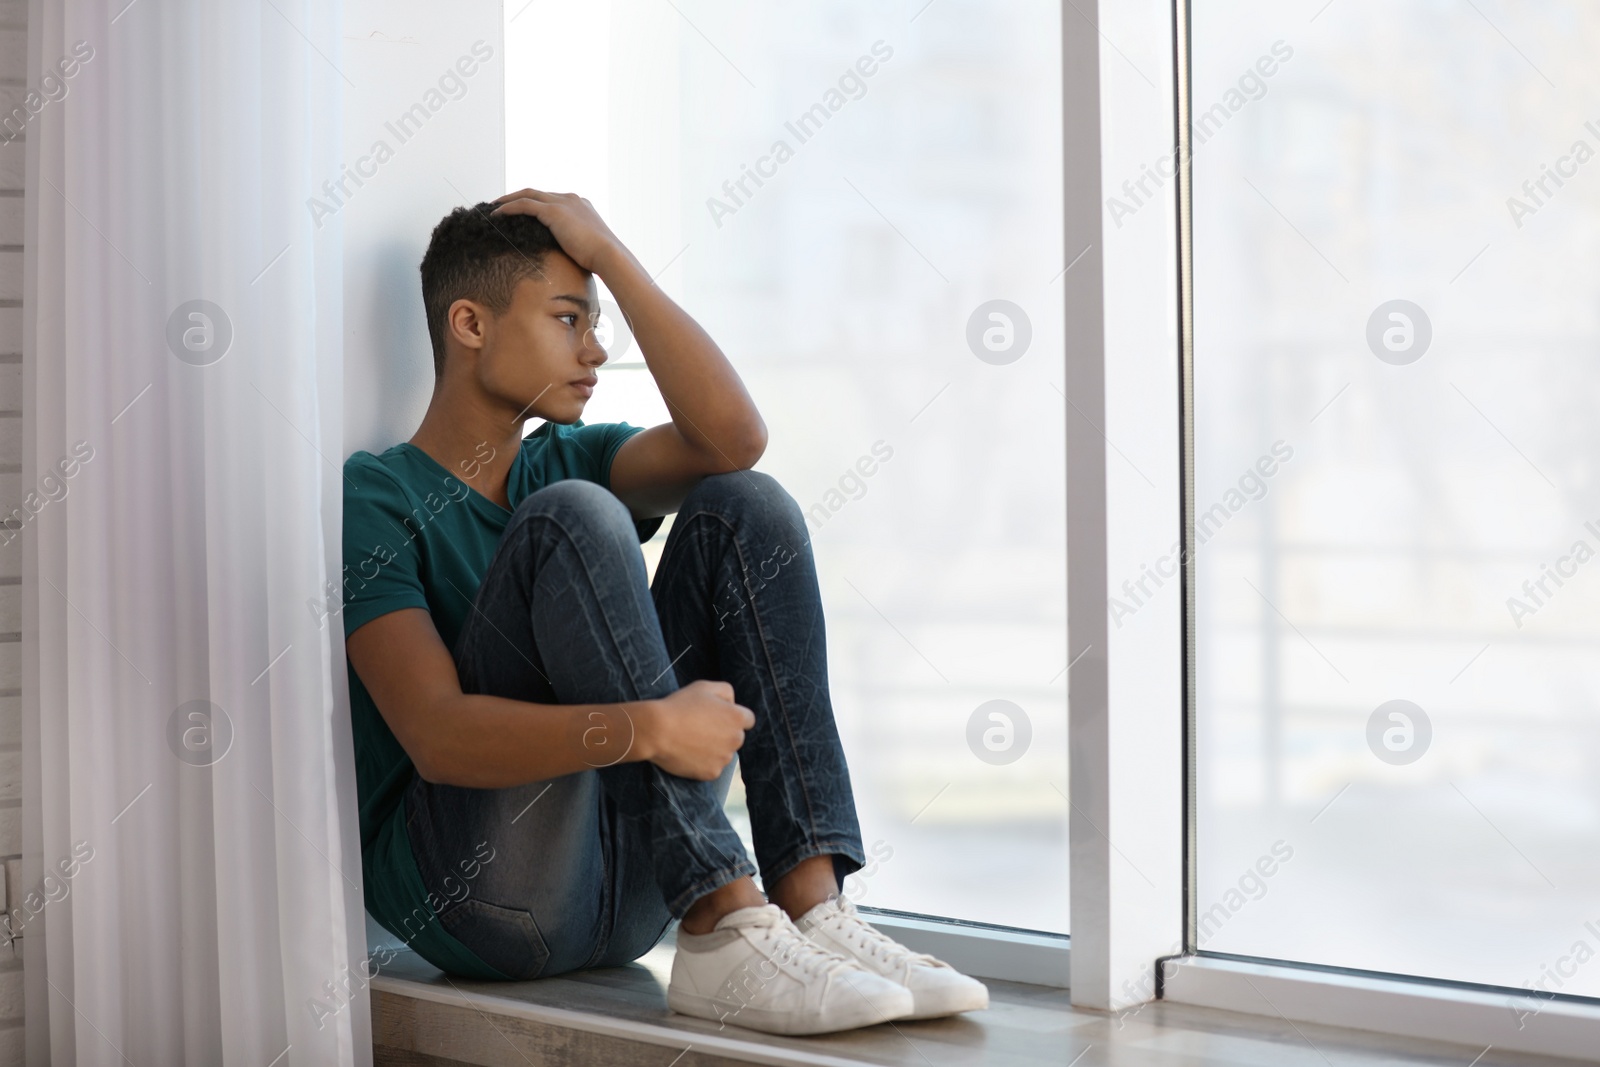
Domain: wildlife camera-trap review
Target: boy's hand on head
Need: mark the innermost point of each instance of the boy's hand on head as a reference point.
(573, 222)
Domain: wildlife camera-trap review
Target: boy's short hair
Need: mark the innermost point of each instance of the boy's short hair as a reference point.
(474, 255)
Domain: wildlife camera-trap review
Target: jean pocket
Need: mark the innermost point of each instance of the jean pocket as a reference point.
(507, 939)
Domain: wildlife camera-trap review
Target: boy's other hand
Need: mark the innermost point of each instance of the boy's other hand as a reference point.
(696, 731)
(573, 221)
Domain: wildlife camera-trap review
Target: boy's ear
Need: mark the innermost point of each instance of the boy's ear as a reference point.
(465, 322)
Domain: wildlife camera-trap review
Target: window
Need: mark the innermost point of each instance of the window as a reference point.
(1395, 259)
(862, 203)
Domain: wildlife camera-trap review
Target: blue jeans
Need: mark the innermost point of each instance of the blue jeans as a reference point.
(590, 868)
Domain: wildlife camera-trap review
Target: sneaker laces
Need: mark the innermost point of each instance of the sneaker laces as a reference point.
(785, 942)
(853, 930)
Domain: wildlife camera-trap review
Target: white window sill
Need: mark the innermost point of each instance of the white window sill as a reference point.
(983, 951)
(1508, 1021)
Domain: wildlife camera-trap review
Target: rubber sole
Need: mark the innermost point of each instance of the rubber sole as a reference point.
(951, 1002)
(774, 1022)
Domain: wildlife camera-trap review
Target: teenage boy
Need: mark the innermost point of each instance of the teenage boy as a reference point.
(544, 739)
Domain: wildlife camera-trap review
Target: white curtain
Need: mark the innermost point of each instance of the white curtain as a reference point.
(189, 787)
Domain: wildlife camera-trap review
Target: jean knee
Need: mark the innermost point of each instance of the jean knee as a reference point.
(578, 502)
(754, 493)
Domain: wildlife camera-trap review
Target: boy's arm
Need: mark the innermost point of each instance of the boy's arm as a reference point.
(715, 426)
(488, 742)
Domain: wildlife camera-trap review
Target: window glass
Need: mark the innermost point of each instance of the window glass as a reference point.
(1396, 261)
(861, 202)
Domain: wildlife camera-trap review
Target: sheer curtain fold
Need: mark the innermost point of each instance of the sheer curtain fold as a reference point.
(189, 807)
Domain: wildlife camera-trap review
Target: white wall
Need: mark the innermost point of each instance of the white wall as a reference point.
(396, 52)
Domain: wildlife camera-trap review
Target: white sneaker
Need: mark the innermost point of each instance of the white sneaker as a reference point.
(936, 987)
(756, 970)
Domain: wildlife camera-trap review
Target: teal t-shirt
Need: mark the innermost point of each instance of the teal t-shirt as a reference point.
(417, 536)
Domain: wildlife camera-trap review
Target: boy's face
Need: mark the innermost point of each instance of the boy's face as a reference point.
(541, 353)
